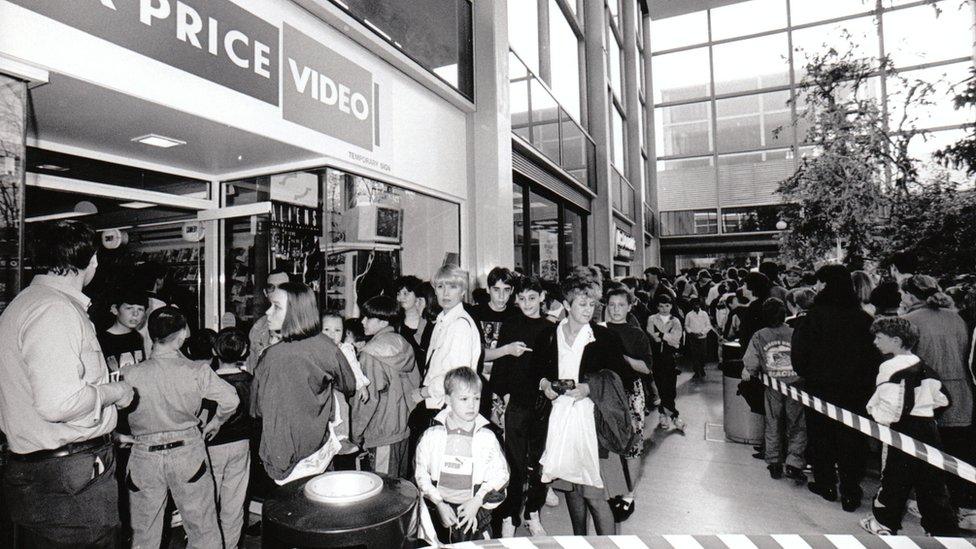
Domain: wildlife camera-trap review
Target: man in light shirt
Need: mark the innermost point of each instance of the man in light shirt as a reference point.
(57, 407)
(697, 326)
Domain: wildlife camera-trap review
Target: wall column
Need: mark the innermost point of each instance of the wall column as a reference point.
(601, 237)
(633, 130)
(653, 254)
(488, 215)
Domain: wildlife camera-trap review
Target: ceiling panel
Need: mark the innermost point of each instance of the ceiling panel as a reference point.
(72, 112)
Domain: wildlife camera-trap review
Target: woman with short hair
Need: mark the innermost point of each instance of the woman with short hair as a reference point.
(295, 383)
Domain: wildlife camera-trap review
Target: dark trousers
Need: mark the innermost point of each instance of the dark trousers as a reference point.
(836, 451)
(666, 380)
(697, 348)
(525, 440)
(418, 421)
(960, 442)
(69, 501)
(903, 472)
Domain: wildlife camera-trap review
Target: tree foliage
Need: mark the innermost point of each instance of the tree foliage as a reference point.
(861, 186)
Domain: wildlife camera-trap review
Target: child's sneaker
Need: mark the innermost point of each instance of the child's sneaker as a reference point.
(679, 424)
(796, 475)
(775, 470)
(872, 525)
(508, 528)
(664, 422)
(534, 524)
(552, 500)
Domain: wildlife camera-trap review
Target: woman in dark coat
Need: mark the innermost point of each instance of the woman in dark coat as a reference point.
(834, 354)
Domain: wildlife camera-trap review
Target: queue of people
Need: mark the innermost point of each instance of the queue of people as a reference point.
(491, 408)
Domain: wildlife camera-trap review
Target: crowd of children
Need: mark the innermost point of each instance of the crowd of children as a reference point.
(458, 397)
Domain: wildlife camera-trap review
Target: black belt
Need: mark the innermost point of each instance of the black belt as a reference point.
(63, 451)
(167, 446)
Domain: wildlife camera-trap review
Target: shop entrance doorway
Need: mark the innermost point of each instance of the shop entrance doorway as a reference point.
(151, 238)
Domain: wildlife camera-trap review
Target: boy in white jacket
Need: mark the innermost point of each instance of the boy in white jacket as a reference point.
(460, 468)
(906, 397)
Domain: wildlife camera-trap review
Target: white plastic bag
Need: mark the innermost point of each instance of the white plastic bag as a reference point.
(571, 449)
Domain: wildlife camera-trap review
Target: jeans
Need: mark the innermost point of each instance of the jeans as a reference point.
(231, 464)
(785, 426)
(69, 501)
(183, 472)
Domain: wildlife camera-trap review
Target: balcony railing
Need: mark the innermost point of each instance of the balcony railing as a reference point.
(539, 119)
(623, 194)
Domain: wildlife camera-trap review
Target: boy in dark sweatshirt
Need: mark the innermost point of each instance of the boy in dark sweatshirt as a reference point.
(525, 424)
(769, 352)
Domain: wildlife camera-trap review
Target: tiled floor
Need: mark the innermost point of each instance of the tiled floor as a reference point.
(694, 485)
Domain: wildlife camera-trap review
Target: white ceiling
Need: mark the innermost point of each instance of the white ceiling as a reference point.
(71, 112)
(660, 9)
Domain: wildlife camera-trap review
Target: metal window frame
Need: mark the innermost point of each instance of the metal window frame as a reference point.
(878, 12)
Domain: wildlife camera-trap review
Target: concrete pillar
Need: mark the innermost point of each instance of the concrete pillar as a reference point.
(650, 197)
(601, 237)
(632, 105)
(488, 210)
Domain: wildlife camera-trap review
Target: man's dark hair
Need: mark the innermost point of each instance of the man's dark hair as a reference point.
(770, 269)
(886, 296)
(906, 262)
(894, 326)
(382, 307)
(530, 283)
(147, 273)
(63, 247)
(808, 278)
(409, 283)
(129, 296)
(663, 298)
(630, 282)
(758, 284)
(623, 292)
(773, 312)
(656, 271)
(231, 345)
(480, 296)
(354, 327)
(200, 345)
(501, 274)
(165, 322)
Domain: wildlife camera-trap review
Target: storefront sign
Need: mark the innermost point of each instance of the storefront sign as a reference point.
(326, 92)
(626, 245)
(213, 39)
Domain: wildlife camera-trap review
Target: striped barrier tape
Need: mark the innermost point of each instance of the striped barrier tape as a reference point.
(723, 541)
(873, 429)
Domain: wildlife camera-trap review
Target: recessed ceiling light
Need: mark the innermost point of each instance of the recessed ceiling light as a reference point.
(158, 141)
(54, 216)
(137, 205)
(51, 168)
